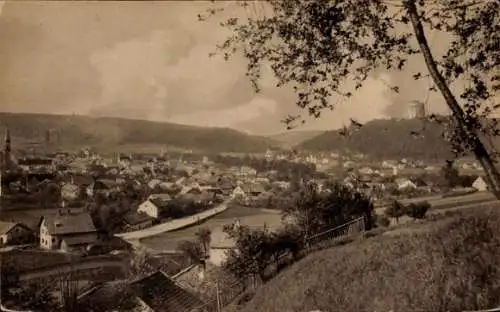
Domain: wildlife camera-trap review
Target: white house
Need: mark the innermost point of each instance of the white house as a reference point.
(480, 185)
(238, 192)
(405, 184)
(67, 231)
(155, 205)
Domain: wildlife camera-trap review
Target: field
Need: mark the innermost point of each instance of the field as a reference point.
(248, 216)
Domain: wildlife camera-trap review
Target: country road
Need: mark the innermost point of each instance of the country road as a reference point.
(173, 224)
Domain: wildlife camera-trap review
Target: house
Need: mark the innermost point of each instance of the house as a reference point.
(102, 186)
(254, 189)
(155, 205)
(134, 221)
(405, 184)
(160, 293)
(125, 161)
(480, 185)
(238, 192)
(205, 279)
(13, 233)
(67, 231)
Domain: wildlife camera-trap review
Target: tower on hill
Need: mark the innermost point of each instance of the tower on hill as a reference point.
(416, 109)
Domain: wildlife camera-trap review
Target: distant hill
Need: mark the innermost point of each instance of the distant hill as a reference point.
(68, 132)
(290, 139)
(387, 139)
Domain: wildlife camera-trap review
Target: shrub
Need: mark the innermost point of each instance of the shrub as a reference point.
(382, 221)
(418, 210)
(395, 210)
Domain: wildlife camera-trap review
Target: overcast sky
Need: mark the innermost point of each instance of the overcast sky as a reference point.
(150, 61)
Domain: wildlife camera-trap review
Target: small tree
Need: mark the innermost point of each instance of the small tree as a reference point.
(395, 210)
(192, 250)
(250, 257)
(450, 175)
(418, 210)
(204, 236)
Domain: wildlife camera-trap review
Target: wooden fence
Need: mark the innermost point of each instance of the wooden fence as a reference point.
(350, 228)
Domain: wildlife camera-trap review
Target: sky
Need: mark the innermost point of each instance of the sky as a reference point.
(150, 60)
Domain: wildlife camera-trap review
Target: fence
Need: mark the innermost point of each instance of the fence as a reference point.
(226, 293)
(350, 228)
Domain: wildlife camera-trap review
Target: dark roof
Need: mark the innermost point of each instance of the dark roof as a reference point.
(133, 218)
(78, 240)
(104, 184)
(160, 200)
(162, 294)
(5, 227)
(70, 224)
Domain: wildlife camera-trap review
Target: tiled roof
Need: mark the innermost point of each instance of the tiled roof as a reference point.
(70, 224)
(133, 218)
(162, 294)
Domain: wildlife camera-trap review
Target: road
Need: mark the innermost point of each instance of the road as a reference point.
(173, 224)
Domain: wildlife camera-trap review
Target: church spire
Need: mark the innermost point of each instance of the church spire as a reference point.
(7, 142)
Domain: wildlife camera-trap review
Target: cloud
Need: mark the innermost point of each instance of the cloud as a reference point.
(230, 117)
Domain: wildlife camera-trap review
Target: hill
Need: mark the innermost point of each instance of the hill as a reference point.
(67, 132)
(387, 139)
(444, 265)
(290, 139)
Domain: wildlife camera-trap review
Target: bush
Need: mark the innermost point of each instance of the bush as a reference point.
(418, 210)
(396, 210)
(454, 266)
(382, 221)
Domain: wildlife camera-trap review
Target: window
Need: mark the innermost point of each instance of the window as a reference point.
(53, 240)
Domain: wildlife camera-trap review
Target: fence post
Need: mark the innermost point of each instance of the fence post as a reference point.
(218, 296)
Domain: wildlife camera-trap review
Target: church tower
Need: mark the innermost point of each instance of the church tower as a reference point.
(7, 150)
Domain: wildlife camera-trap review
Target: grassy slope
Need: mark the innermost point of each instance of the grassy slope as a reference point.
(449, 266)
(71, 131)
(387, 139)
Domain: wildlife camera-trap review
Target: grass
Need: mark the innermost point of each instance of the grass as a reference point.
(451, 264)
(247, 215)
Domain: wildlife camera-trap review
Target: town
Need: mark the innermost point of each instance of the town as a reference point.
(250, 156)
(90, 217)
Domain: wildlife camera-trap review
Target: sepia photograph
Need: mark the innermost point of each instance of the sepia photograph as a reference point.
(250, 156)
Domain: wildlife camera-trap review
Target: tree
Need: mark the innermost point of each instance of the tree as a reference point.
(314, 212)
(396, 210)
(418, 210)
(192, 250)
(317, 47)
(450, 175)
(250, 257)
(204, 236)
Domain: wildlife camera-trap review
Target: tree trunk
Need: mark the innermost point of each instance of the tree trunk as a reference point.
(491, 173)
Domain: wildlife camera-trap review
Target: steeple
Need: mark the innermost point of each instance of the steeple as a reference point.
(7, 147)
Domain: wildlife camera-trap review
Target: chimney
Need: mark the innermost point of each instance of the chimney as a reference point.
(202, 269)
